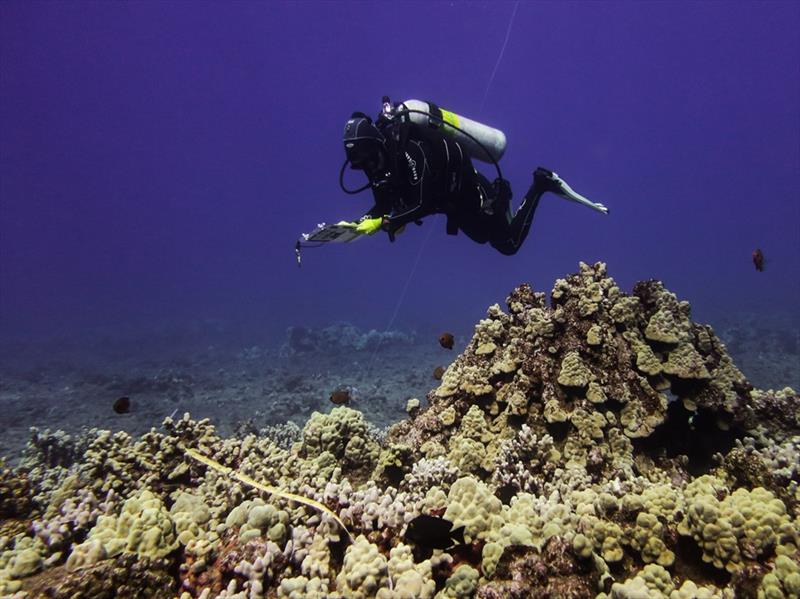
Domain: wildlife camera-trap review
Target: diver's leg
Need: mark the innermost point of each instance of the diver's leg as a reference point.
(509, 232)
(474, 212)
(509, 236)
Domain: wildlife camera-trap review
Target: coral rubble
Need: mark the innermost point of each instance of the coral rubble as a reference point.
(602, 445)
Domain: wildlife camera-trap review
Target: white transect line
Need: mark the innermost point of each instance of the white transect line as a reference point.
(430, 229)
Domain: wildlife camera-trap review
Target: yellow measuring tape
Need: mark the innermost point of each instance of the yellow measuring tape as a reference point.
(271, 490)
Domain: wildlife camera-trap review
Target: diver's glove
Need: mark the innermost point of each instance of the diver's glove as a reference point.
(366, 226)
(369, 226)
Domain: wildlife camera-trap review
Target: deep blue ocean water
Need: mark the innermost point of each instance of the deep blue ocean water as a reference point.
(158, 160)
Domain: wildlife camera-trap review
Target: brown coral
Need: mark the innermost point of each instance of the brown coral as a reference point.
(526, 573)
(541, 365)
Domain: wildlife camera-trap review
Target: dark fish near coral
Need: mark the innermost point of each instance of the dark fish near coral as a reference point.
(344, 395)
(438, 372)
(433, 532)
(758, 259)
(122, 405)
(446, 340)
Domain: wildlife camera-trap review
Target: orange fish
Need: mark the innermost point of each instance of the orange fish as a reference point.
(758, 259)
(446, 340)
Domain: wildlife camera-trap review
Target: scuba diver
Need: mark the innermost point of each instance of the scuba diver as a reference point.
(418, 161)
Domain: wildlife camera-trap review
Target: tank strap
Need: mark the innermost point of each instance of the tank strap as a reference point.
(437, 113)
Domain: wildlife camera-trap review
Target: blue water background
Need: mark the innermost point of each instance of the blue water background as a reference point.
(158, 160)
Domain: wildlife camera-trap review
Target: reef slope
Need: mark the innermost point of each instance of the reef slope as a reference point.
(604, 445)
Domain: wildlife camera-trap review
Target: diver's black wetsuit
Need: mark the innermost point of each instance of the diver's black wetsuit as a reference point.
(428, 172)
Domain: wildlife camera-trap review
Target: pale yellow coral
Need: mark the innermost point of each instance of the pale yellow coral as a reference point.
(593, 335)
(595, 393)
(471, 503)
(411, 581)
(448, 416)
(662, 327)
(689, 590)
(473, 381)
(553, 412)
(607, 538)
(485, 348)
(652, 582)
(539, 323)
(684, 362)
(662, 500)
(490, 557)
(742, 525)
(588, 303)
(343, 433)
(573, 372)
(474, 426)
(143, 527)
(625, 309)
(782, 581)
(582, 546)
(636, 420)
(465, 453)
(363, 572)
(589, 423)
(461, 584)
(647, 537)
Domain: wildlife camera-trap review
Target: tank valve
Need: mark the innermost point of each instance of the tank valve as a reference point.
(388, 109)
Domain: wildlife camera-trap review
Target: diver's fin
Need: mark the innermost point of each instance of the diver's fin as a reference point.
(546, 180)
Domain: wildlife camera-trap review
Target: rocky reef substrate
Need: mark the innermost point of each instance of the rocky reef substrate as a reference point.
(599, 445)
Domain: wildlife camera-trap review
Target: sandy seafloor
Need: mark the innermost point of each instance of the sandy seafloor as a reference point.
(204, 368)
(69, 385)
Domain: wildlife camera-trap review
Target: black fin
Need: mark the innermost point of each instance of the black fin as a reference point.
(457, 534)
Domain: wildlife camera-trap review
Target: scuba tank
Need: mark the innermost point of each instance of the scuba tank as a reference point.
(481, 142)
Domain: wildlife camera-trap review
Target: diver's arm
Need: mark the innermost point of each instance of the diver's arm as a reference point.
(385, 181)
(395, 223)
(370, 222)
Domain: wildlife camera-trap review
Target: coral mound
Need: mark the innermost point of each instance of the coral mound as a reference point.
(602, 445)
(597, 368)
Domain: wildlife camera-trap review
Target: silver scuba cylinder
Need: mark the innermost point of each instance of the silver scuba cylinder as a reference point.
(490, 140)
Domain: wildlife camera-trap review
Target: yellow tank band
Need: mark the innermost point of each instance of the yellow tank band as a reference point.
(452, 118)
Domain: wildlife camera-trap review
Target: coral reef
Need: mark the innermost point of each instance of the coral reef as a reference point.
(602, 445)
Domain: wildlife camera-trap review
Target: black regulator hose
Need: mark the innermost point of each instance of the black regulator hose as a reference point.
(341, 181)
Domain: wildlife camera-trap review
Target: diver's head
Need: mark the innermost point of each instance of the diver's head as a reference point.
(363, 143)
